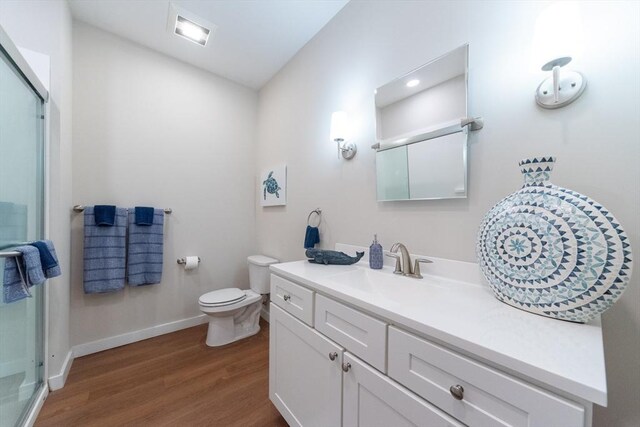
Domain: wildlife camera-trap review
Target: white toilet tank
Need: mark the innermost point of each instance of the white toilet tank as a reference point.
(259, 272)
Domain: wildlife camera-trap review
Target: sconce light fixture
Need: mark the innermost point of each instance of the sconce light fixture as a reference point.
(562, 88)
(557, 38)
(339, 126)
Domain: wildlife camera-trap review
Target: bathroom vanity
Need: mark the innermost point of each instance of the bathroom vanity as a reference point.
(358, 347)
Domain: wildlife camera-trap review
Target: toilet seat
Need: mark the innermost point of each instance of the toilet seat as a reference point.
(222, 297)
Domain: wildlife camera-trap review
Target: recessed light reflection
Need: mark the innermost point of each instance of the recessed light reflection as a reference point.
(413, 83)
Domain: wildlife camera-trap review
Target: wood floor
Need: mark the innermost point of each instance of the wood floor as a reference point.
(171, 380)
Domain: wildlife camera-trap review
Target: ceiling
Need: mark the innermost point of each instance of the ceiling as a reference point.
(253, 41)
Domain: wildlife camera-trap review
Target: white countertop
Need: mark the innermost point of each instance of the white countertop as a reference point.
(466, 315)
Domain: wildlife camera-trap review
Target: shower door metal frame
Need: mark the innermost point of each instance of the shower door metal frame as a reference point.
(13, 53)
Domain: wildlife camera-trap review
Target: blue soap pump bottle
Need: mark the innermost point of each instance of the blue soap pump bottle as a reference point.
(375, 254)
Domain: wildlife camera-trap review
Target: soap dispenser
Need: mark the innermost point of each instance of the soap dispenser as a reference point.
(375, 254)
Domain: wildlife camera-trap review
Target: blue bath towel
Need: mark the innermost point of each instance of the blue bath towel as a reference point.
(48, 257)
(104, 214)
(104, 253)
(311, 237)
(144, 258)
(22, 272)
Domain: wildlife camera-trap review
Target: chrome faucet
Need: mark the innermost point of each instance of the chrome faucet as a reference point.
(403, 261)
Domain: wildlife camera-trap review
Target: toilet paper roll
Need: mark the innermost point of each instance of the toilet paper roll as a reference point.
(191, 263)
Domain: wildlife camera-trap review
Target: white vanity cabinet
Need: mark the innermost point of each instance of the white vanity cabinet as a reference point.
(305, 372)
(333, 362)
(313, 382)
(371, 399)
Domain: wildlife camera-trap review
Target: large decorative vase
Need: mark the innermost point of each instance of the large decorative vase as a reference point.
(552, 251)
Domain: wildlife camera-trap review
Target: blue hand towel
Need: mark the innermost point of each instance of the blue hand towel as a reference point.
(144, 215)
(104, 214)
(311, 237)
(22, 272)
(49, 259)
(104, 253)
(144, 258)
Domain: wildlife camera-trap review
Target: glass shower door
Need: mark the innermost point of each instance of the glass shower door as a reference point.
(21, 220)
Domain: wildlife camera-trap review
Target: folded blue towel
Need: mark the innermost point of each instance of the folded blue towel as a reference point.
(49, 259)
(144, 258)
(22, 272)
(104, 253)
(104, 214)
(311, 237)
(144, 215)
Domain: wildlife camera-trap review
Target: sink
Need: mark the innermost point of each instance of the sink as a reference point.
(386, 284)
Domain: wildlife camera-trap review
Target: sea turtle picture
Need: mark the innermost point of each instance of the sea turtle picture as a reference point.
(270, 186)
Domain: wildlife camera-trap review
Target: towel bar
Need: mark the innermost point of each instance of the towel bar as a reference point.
(80, 208)
(454, 126)
(9, 254)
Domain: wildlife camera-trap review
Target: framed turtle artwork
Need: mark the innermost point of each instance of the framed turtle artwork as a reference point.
(273, 186)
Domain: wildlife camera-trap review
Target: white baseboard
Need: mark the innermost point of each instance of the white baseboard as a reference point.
(56, 382)
(131, 337)
(264, 313)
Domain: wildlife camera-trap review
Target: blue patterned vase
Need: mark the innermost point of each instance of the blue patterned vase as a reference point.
(552, 251)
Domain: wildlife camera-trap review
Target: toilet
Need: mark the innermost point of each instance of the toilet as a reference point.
(235, 313)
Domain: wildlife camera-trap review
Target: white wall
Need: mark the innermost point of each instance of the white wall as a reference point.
(45, 27)
(369, 43)
(152, 131)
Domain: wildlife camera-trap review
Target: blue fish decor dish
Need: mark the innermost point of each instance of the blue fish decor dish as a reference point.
(321, 256)
(553, 251)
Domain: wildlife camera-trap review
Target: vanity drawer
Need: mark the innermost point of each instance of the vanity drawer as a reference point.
(292, 298)
(489, 397)
(359, 333)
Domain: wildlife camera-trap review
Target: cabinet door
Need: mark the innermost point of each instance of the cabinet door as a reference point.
(371, 399)
(304, 383)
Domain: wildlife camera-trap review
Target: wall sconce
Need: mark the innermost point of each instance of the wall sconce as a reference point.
(562, 88)
(557, 37)
(339, 127)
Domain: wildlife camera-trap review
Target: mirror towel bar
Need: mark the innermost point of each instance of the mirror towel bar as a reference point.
(474, 123)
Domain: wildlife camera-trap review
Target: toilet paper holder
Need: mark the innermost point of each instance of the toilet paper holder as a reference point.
(184, 260)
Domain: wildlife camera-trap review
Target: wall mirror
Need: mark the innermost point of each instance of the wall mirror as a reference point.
(421, 131)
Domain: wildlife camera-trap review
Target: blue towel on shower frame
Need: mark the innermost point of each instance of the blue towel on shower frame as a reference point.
(21, 273)
(104, 253)
(144, 256)
(48, 257)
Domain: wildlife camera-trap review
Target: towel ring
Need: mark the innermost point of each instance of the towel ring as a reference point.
(317, 212)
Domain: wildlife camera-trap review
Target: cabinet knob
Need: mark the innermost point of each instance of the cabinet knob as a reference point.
(457, 391)
(346, 366)
(287, 297)
(333, 355)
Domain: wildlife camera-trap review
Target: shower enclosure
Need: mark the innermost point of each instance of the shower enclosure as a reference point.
(22, 338)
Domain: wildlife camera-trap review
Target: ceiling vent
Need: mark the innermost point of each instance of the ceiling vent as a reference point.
(189, 26)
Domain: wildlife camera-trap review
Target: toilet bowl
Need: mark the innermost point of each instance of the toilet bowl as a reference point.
(235, 313)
